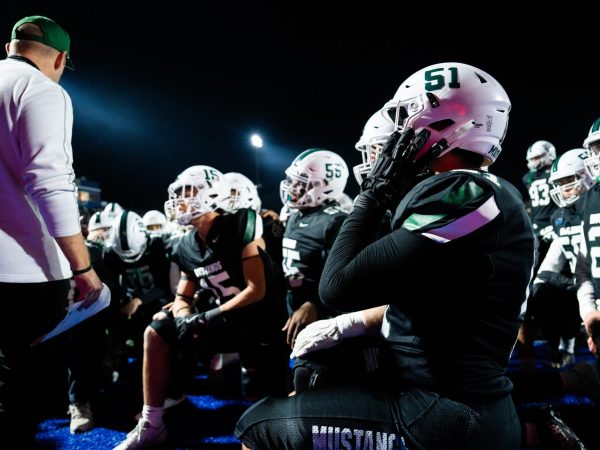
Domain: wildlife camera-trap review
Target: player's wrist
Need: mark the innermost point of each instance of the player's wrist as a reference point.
(351, 324)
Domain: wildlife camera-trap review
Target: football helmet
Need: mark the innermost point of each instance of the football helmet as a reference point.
(376, 132)
(99, 227)
(98, 221)
(243, 192)
(592, 145)
(112, 210)
(196, 191)
(315, 176)
(540, 154)
(569, 177)
(155, 222)
(462, 106)
(128, 236)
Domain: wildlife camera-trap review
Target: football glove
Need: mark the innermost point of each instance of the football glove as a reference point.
(395, 169)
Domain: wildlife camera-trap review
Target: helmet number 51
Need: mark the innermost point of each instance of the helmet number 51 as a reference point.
(436, 81)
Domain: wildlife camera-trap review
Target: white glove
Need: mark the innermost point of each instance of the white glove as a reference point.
(326, 333)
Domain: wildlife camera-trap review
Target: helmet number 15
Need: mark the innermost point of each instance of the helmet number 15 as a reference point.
(436, 81)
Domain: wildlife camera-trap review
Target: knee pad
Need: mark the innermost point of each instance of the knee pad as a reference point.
(166, 329)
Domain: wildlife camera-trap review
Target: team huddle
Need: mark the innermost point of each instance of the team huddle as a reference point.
(317, 283)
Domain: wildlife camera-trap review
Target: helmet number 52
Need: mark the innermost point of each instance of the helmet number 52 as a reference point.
(436, 81)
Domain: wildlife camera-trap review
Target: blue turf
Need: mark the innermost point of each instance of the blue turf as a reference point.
(207, 419)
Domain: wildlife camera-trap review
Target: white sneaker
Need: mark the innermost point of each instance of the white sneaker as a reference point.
(169, 403)
(82, 418)
(143, 436)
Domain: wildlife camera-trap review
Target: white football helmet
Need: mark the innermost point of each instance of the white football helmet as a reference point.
(128, 236)
(540, 154)
(569, 177)
(155, 222)
(196, 191)
(99, 227)
(243, 192)
(112, 210)
(459, 104)
(98, 221)
(315, 176)
(375, 134)
(592, 145)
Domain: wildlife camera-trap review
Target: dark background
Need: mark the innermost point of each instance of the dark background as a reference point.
(158, 89)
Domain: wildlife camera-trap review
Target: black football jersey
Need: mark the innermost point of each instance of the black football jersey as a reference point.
(217, 266)
(588, 208)
(540, 202)
(566, 225)
(307, 240)
(455, 330)
(146, 278)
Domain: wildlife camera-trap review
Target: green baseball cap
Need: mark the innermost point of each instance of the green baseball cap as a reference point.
(53, 35)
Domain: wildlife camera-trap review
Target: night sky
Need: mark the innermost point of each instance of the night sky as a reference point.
(162, 89)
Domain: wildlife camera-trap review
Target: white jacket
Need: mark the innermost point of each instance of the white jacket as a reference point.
(38, 198)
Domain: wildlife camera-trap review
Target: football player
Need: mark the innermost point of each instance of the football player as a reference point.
(553, 302)
(463, 237)
(224, 256)
(314, 181)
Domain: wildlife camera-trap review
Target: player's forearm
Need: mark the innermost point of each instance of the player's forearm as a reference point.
(75, 250)
(248, 296)
(372, 318)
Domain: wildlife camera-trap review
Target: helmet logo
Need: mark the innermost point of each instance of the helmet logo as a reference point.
(494, 151)
(333, 170)
(211, 174)
(435, 81)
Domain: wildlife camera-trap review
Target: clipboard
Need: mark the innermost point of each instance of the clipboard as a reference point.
(76, 315)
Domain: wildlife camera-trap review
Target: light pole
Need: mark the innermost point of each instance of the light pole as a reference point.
(257, 143)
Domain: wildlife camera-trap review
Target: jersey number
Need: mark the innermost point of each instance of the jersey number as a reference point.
(594, 250)
(570, 248)
(539, 194)
(215, 284)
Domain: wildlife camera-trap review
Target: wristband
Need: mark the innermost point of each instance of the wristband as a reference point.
(79, 272)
